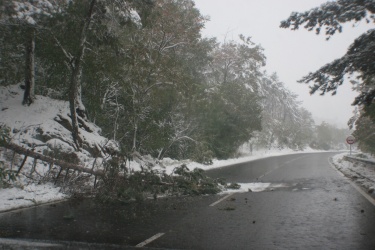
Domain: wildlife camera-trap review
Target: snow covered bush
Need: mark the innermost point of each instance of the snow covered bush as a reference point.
(6, 175)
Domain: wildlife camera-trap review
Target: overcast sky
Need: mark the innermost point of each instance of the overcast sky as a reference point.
(291, 54)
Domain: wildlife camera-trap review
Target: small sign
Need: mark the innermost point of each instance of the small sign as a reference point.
(350, 139)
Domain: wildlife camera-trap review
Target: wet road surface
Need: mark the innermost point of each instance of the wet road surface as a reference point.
(315, 208)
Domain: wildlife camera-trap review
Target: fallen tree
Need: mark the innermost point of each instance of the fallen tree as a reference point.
(53, 161)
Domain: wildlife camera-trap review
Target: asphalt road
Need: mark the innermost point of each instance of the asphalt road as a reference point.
(310, 206)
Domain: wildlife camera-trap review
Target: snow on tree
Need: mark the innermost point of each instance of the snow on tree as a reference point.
(97, 17)
(236, 62)
(156, 75)
(358, 60)
(232, 107)
(30, 11)
(284, 122)
(30, 15)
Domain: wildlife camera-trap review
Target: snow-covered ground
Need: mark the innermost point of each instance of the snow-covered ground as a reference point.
(39, 127)
(42, 128)
(31, 195)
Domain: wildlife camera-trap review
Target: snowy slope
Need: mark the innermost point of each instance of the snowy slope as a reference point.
(42, 127)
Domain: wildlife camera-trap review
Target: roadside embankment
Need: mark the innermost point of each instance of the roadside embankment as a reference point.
(360, 170)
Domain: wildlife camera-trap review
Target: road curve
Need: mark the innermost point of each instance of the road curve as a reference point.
(315, 209)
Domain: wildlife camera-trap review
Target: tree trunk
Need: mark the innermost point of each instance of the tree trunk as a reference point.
(72, 104)
(62, 164)
(29, 94)
(270, 142)
(135, 136)
(75, 101)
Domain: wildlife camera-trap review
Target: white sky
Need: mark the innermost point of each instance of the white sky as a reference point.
(291, 54)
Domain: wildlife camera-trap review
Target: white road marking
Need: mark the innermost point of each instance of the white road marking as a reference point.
(144, 243)
(225, 197)
(359, 189)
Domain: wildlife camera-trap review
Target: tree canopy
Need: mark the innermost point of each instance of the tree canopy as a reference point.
(358, 60)
(142, 72)
(358, 64)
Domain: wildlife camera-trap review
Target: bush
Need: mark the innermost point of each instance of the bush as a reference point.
(6, 175)
(194, 182)
(203, 154)
(4, 135)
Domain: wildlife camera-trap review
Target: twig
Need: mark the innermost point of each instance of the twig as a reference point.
(23, 163)
(57, 177)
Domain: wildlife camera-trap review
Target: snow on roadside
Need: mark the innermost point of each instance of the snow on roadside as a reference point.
(169, 165)
(255, 187)
(31, 195)
(361, 174)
